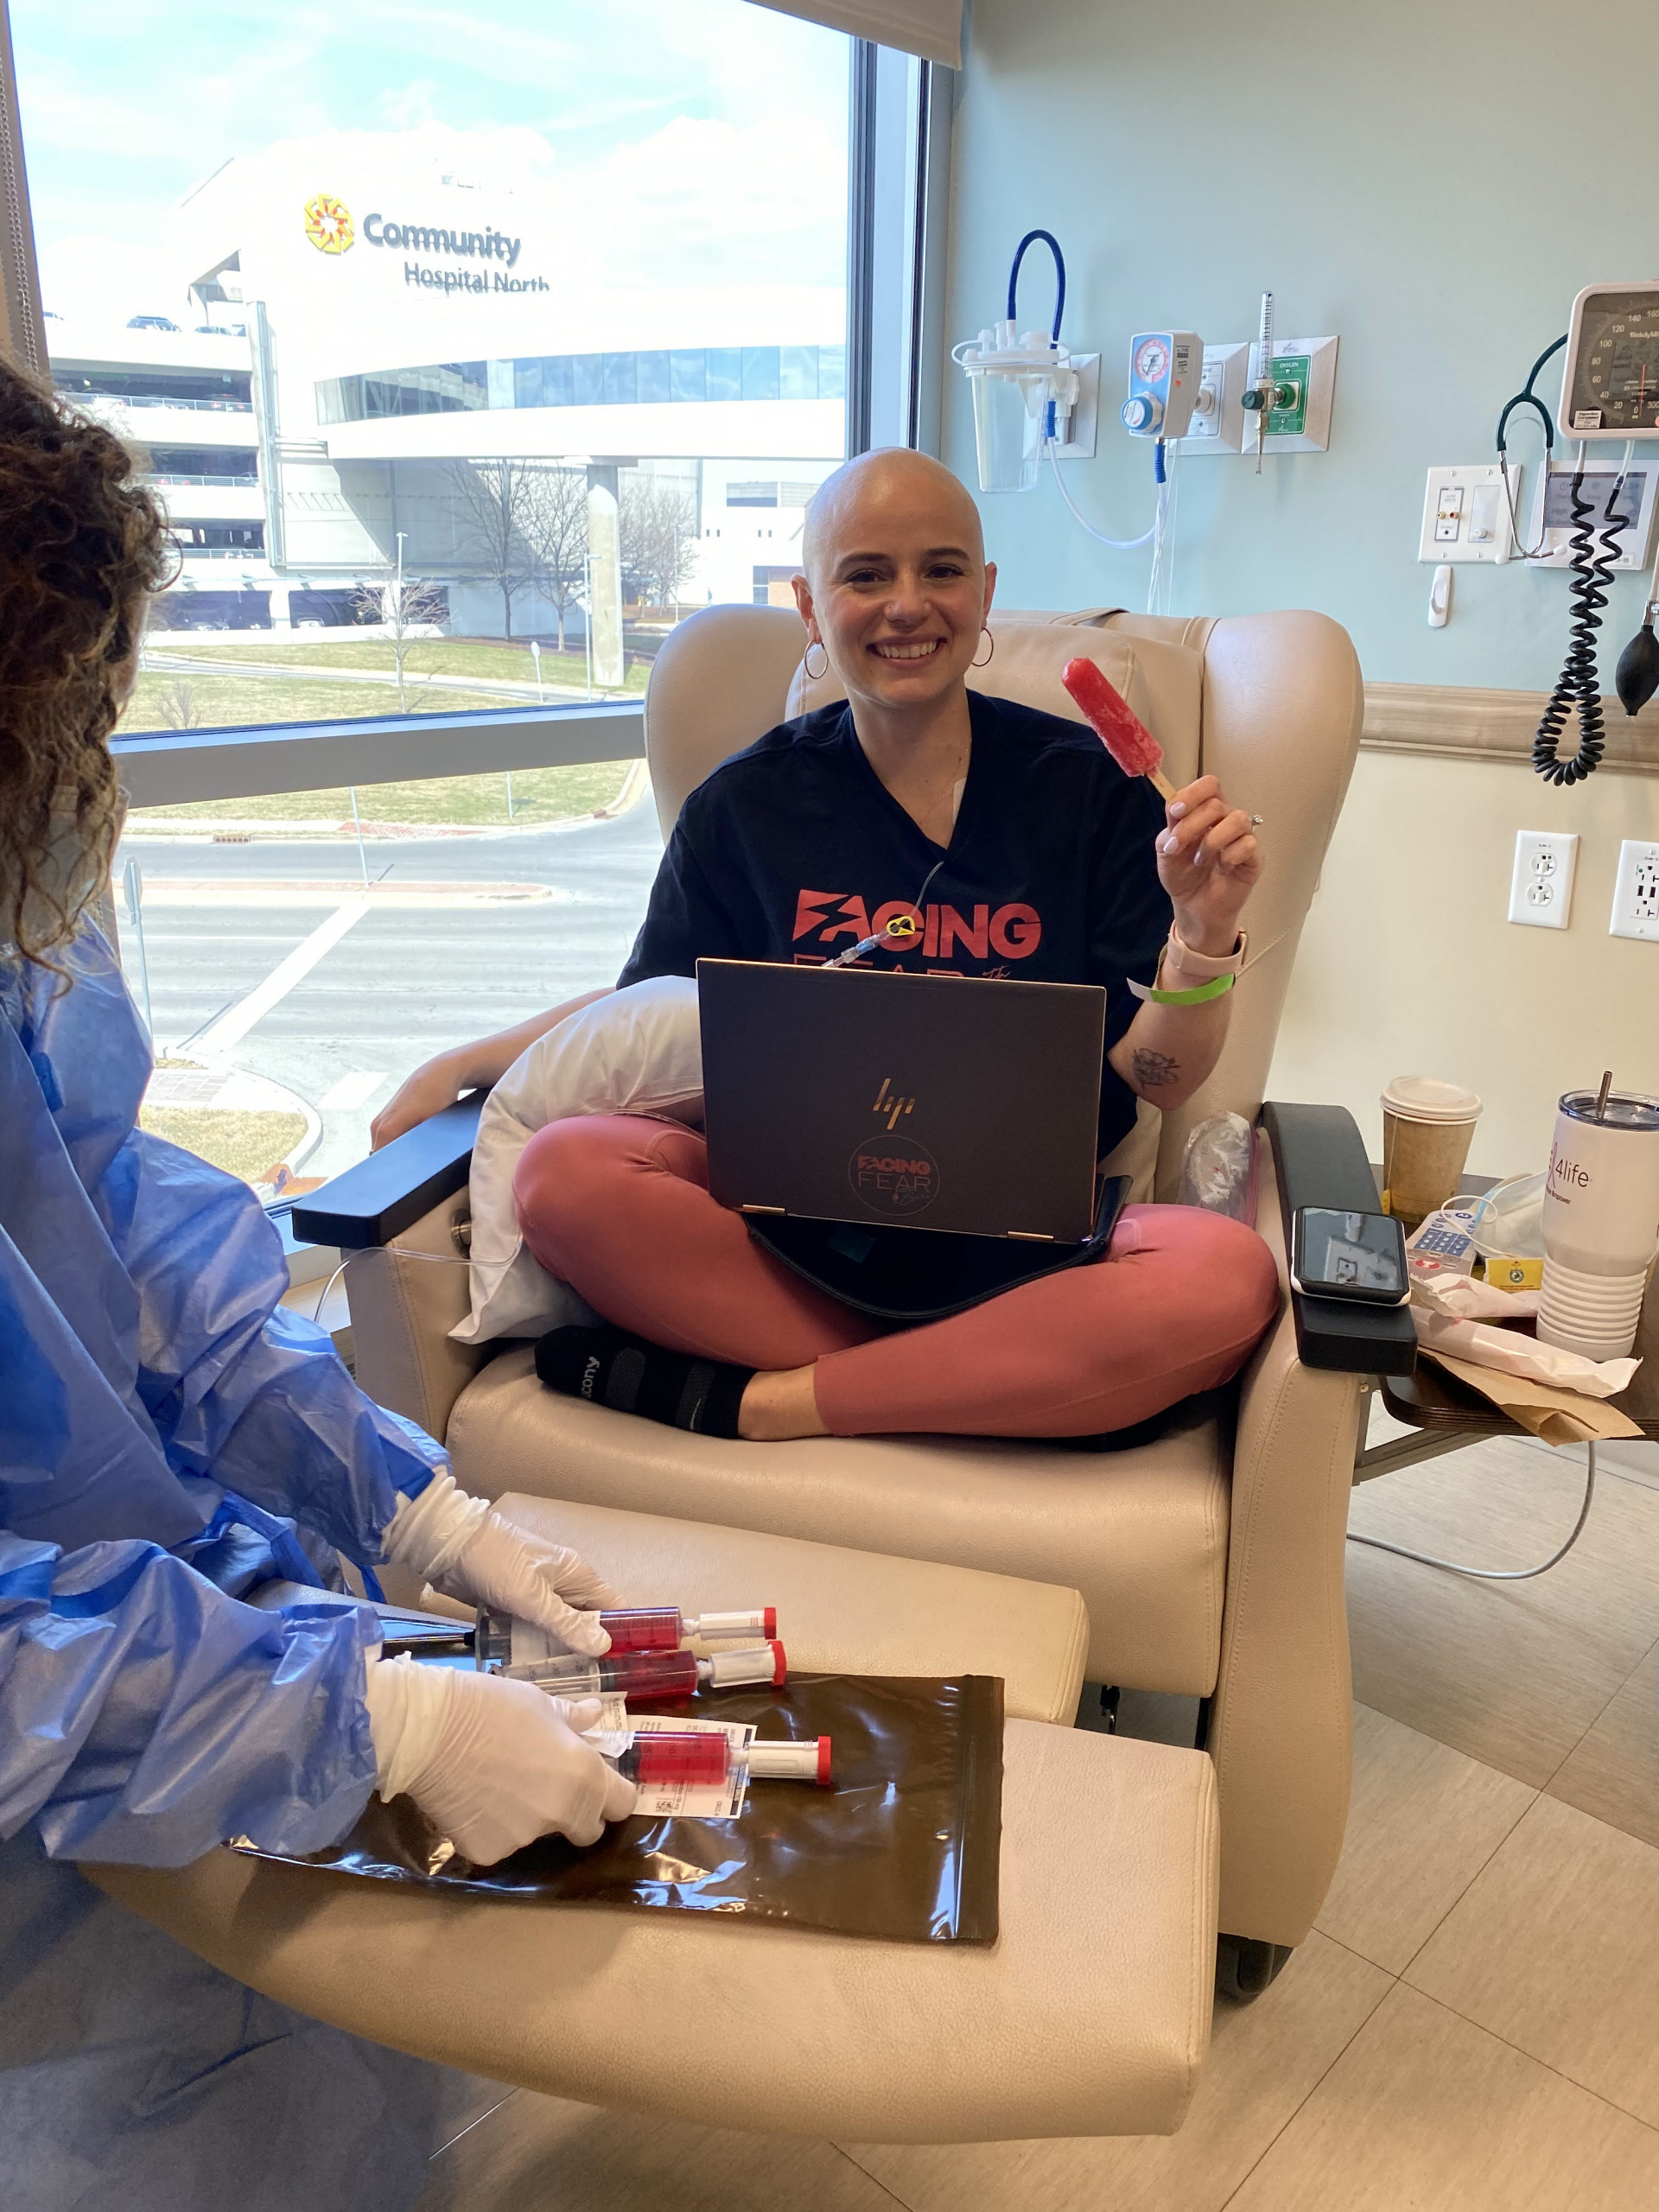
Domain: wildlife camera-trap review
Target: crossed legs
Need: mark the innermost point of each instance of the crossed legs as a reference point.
(618, 1206)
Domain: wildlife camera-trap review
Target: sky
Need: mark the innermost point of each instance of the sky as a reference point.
(710, 135)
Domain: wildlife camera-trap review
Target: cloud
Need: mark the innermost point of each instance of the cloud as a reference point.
(688, 141)
(717, 202)
(414, 105)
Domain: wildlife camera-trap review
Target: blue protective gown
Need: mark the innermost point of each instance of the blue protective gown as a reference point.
(169, 1438)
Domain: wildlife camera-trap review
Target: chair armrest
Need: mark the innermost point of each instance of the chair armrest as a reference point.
(1281, 1724)
(1319, 1158)
(371, 1203)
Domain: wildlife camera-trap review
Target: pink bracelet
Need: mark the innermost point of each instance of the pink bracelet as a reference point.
(1203, 967)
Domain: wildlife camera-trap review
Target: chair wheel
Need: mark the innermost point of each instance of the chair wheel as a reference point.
(1244, 1966)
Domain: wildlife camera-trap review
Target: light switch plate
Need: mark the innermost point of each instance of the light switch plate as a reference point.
(1636, 893)
(1465, 516)
(1541, 890)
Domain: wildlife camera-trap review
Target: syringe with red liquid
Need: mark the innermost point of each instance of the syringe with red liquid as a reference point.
(703, 1756)
(500, 1642)
(664, 1628)
(638, 1675)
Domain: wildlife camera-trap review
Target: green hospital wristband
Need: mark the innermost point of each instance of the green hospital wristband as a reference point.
(1196, 996)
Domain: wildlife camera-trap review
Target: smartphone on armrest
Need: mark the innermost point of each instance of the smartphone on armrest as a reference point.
(1361, 1256)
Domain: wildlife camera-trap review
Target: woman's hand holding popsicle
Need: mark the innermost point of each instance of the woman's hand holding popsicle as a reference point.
(1209, 862)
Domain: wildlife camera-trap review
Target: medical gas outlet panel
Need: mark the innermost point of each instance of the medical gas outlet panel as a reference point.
(1165, 368)
(1221, 416)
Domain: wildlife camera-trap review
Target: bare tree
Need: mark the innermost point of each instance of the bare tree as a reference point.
(493, 500)
(178, 705)
(659, 525)
(406, 610)
(556, 528)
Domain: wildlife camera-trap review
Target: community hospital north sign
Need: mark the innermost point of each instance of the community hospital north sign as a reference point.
(329, 226)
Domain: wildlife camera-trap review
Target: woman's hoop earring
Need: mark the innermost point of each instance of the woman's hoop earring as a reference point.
(989, 657)
(816, 675)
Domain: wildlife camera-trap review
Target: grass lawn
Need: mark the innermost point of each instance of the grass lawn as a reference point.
(230, 702)
(506, 663)
(538, 795)
(245, 1144)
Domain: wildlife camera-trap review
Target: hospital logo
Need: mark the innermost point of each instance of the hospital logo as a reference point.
(328, 224)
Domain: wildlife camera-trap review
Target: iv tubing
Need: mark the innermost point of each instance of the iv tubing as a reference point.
(1116, 544)
(1495, 1574)
(1053, 245)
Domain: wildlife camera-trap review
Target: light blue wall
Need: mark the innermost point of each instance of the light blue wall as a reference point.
(1401, 174)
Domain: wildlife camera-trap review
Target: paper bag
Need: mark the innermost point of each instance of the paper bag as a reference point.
(1555, 1415)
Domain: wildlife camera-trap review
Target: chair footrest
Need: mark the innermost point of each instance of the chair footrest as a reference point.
(1088, 2016)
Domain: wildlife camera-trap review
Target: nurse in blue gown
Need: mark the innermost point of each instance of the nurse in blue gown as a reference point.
(170, 1438)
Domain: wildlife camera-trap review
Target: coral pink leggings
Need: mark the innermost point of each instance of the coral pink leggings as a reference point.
(618, 1206)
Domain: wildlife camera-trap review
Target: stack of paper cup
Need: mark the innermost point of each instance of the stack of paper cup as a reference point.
(1426, 1126)
(1601, 1223)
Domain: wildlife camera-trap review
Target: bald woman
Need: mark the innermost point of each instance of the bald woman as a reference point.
(791, 850)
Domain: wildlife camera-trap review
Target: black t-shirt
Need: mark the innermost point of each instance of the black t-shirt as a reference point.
(795, 849)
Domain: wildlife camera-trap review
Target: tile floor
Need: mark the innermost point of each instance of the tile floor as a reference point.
(1473, 2026)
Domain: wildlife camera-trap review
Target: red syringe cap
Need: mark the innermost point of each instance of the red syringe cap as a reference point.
(769, 1759)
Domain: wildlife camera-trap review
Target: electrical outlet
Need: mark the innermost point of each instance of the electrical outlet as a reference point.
(1541, 890)
(1636, 894)
(1465, 514)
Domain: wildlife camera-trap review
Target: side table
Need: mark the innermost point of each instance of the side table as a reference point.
(1444, 1415)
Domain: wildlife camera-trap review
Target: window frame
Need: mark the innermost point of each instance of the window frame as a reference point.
(176, 767)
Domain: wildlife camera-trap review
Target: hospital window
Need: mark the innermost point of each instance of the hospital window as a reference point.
(327, 433)
(774, 587)
(645, 379)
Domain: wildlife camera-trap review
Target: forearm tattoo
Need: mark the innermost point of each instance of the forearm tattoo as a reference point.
(1153, 1071)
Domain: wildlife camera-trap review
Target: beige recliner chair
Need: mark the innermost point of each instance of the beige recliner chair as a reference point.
(1211, 1560)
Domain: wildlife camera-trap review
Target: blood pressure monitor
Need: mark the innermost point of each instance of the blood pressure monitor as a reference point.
(1610, 386)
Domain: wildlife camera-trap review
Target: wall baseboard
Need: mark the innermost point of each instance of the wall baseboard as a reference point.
(1465, 724)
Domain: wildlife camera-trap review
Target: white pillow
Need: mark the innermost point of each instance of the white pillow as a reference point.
(638, 1052)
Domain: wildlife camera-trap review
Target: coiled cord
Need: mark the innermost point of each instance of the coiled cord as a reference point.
(1579, 684)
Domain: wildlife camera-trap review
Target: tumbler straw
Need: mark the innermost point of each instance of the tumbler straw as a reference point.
(1601, 1097)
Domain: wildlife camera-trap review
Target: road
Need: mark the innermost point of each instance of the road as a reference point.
(403, 982)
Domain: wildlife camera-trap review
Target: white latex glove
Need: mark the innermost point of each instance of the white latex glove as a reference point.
(465, 1551)
(492, 1763)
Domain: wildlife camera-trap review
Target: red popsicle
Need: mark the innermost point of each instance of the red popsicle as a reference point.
(1125, 736)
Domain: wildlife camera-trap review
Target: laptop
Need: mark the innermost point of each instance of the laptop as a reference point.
(883, 1102)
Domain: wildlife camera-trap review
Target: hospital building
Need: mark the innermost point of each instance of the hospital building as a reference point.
(360, 338)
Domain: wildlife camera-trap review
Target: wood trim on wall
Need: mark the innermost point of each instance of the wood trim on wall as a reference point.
(1465, 724)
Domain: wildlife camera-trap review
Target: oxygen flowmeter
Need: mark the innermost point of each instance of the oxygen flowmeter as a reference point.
(1165, 368)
